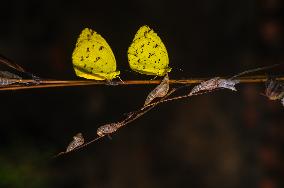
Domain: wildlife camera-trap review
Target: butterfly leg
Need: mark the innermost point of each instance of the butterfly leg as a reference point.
(120, 79)
(154, 78)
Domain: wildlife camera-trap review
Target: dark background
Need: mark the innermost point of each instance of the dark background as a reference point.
(223, 139)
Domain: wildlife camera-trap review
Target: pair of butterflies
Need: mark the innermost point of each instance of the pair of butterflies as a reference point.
(93, 58)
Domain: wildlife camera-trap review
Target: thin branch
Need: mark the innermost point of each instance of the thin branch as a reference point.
(31, 84)
(133, 116)
(254, 70)
(136, 114)
(177, 98)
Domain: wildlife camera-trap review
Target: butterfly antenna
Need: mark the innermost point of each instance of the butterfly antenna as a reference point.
(154, 78)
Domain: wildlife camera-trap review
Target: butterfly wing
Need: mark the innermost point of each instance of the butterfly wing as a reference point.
(93, 57)
(147, 54)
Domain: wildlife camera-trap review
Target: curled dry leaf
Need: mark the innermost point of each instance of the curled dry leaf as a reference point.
(228, 84)
(108, 128)
(274, 90)
(8, 78)
(207, 85)
(6, 82)
(7, 74)
(214, 83)
(78, 140)
(160, 91)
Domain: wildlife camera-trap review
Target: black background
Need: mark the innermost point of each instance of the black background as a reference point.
(223, 139)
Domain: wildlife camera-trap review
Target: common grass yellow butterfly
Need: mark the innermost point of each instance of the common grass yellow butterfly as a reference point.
(147, 54)
(93, 58)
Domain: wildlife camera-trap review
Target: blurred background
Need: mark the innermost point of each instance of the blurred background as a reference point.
(222, 139)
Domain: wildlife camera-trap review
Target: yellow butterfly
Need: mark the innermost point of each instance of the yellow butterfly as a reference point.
(147, 54)
(93, 58)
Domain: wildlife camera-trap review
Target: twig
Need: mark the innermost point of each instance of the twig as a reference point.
(29, 84)
(133, 116)
(136, 114)
(248, 79)
(254, 70)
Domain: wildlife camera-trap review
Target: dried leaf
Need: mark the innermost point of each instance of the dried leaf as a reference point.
(7, 74)
(108, 128)
(228, 84)
(160, 91)
(274, 89)
(78, 140)
(8, 78)
(213, 84)
(6, 82)
(207, 85)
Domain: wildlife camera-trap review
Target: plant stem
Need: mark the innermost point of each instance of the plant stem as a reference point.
(31, 84)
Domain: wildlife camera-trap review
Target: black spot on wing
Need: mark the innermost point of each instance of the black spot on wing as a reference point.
(97, 59)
